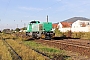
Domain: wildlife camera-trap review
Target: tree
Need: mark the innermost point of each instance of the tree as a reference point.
(6, 31)
(24, 28)
(17, 29)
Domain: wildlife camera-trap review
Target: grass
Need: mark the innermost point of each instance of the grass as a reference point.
(24, 52)
(28, 54)
(50, 51)
(4, 53)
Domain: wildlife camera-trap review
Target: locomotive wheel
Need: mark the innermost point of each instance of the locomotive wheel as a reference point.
(34, 35)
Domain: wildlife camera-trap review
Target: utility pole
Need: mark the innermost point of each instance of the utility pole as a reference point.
(17, 25)
(24, 24)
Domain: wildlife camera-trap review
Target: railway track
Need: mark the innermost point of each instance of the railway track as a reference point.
(41, 53)
(74, 42)
(71, 45)
(14, 55)
(23, 52)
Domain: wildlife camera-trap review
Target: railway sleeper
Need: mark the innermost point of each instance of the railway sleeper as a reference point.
(82, 49)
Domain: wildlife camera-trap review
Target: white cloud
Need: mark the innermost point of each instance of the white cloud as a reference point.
(79, 7)
(58, 0)
(31, 8)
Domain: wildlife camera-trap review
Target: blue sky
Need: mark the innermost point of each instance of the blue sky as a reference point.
(18, 13)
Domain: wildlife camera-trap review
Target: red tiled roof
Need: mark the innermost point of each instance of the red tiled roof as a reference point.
(55, 25)
(66, 24)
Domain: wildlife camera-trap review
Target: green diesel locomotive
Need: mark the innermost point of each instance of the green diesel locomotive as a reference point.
(43, 30)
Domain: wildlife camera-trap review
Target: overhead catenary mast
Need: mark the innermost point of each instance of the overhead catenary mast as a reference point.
(47, 18)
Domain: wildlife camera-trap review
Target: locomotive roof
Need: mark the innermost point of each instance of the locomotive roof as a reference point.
(34, 22)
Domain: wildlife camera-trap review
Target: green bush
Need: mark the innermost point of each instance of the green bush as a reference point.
(86, 35)
(58, 33)
(81, 35)
(77, 34)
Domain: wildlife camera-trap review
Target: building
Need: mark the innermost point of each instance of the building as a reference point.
(55, 25)
(78, 25)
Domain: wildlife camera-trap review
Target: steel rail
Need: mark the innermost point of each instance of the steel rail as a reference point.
(14, 54)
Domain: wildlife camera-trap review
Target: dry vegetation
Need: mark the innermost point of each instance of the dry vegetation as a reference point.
(28, 54)
(80, 35)
(24, 52)
(50, 51)
(4, 53)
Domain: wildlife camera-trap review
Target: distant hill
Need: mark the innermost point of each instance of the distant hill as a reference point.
(76, 18)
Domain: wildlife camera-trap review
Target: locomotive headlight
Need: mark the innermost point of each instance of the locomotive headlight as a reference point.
(37, 32)
(47, 33)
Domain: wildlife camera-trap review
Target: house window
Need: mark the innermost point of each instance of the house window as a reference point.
(70, 24)
(88, 23)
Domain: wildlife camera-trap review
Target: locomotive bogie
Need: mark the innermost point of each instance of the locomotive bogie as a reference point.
(36, 34)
